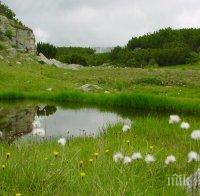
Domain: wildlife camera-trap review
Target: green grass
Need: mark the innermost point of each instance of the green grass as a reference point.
(32, 168)
(122, 100)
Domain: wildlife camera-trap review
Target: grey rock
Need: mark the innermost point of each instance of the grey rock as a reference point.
(42, 58)
(22, 36)
(90, 87)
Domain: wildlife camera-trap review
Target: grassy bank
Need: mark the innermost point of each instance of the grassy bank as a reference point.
(123, 100)
(33, 169)
(176, 81)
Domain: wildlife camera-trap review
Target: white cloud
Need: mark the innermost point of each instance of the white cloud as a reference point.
(103, 22)
(40, 34)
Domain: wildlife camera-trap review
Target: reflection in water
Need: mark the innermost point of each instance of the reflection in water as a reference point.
(50, 121)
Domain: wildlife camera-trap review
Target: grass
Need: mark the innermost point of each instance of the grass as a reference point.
(122, 100)
(32, 168)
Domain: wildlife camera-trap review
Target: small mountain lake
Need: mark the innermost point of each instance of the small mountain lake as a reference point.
(19, 120)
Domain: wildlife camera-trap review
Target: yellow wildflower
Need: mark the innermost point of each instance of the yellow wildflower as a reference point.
(81, 163)
(91, 160)
(56, 153)
(7, 155)
(82, 174)
(96, 154)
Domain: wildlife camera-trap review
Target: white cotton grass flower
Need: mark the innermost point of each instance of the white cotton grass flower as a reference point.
(136, 156)
(173, 119)
(127, 160)
(38, 132)
(193, 156)
(170, 159)
(36, 124)
(128, 122)
(195, 135)
(150, 158)
(126, 128)
(185, 125)
(117, 157)
(62, 141)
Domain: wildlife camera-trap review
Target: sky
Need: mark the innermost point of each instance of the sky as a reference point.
(102, 23)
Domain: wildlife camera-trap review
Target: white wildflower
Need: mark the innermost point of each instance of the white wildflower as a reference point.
(193, 156)
(195, 135)
(117, 157)
(128, 122)
(136, 156)
(127, 160)
(36, 124)
(39, 132)
(185, 125)
(170, 159)
(174, 119)
(62, 141)
(126, 128)
(150, 158)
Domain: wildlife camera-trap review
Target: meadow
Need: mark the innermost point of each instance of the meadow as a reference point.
(85, 165)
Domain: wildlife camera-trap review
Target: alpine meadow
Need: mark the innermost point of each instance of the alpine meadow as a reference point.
(78, 118)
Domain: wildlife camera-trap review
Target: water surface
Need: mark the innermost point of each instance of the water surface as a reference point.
(16, 120)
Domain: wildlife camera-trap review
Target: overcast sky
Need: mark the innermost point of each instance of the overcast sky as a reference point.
(102, 22)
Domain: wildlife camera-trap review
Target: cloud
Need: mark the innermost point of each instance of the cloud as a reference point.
(40, 34)
(105, 22)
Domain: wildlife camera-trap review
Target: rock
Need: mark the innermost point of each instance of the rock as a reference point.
(49, 89)
(42, 58)
(90, 87)
(22, 36)
(107, 92)
(74, 66)
(12, 52)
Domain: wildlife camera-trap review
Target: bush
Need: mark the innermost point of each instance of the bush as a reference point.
(4, 10)
(8, 34)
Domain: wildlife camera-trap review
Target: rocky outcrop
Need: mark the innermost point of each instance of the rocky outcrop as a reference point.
(19, 36)
(43, 59)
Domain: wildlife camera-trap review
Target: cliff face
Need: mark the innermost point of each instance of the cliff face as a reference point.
(19, 36)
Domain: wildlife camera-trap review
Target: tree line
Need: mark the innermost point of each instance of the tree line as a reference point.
(164, 47)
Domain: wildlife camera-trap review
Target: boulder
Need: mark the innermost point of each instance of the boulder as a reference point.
(42, 58)
(90, 87)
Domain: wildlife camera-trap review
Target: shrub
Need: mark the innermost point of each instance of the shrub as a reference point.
(8, 34)
(6, 11)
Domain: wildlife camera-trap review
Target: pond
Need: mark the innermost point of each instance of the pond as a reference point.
(27, 120)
